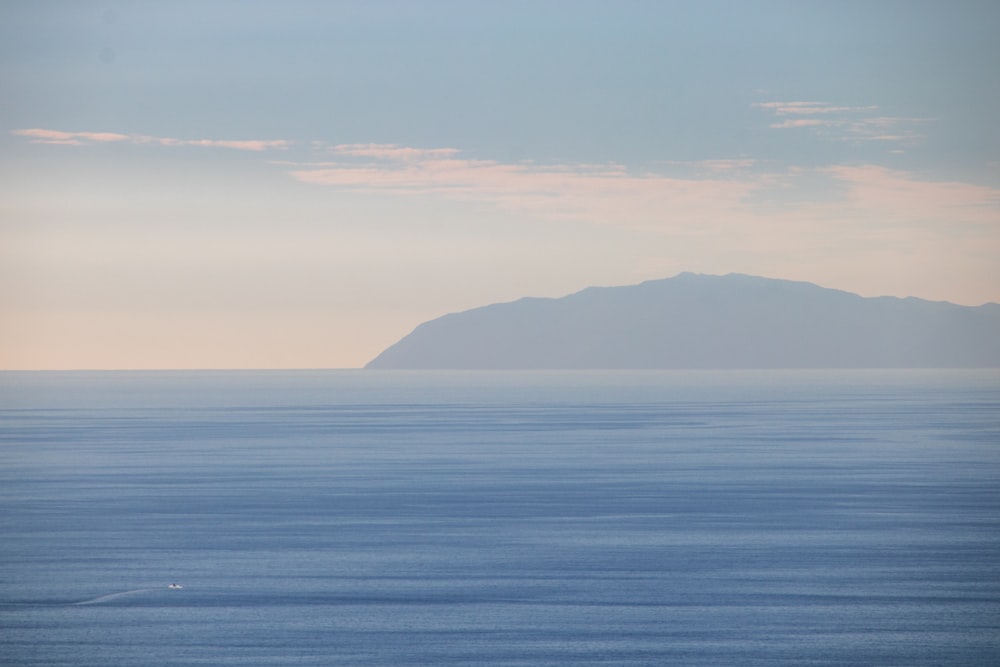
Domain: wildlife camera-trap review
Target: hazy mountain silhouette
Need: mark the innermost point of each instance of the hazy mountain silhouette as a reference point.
(703, 321)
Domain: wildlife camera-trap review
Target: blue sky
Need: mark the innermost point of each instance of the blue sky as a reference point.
(299, 184)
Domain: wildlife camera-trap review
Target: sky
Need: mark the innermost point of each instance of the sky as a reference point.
(295, 184)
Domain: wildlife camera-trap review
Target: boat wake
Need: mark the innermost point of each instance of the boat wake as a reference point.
(115, 596)
(101, 599)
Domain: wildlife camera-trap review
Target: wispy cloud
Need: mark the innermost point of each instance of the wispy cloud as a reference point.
(734, 197)
(392, 151)
(256, 145)
(595, 193)
(805, 122)
(46, 136)
(846, 123)
(730, 203)
(42, 136)
(811, 108)
(723, 166)
(735, 213)
(901, 199)
(889, 128)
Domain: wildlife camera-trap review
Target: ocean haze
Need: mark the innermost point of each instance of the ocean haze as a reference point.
(705, 321)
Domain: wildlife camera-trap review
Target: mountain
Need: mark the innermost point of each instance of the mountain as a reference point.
(705, 321)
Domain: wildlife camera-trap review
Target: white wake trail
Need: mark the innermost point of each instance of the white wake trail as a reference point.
(114, 596)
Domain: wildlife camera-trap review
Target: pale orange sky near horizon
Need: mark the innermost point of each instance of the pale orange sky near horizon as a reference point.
(233, 186)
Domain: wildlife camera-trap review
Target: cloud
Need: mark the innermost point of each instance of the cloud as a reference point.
(804, 122)
(392, 151)
(810, 108)
(45, 136)
(740, 199)
(256, 145)
(599, 193)
(901, 130)
(737, 210)
(726, 165)
(848, 123)
(41, 136)
(901, 199)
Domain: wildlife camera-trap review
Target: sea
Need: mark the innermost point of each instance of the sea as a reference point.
(500, 518)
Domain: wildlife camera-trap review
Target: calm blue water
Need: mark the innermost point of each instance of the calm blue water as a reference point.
(379, 518)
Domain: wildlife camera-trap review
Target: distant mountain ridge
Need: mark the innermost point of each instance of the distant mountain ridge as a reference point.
(705, 321)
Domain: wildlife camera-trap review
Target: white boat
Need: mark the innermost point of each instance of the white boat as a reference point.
(175, 586)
